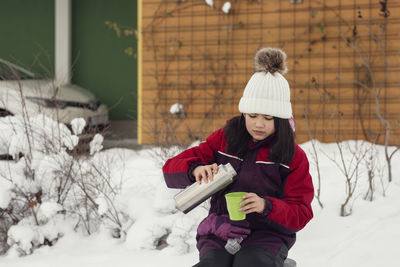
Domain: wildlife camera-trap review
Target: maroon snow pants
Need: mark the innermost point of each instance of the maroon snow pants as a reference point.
(251, 256)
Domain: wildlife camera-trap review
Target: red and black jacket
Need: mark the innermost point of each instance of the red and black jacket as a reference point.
(287, 190)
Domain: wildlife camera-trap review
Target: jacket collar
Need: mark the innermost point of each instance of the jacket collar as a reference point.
(265, 142)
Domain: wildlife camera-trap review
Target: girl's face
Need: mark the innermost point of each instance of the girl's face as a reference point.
(259, 126)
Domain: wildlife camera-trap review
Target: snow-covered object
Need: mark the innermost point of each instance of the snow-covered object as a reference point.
(71, 141)
(150, 204)
(9, 125)
(176, 109)
(22, 236)
(54, 171)
(102, 205)
(20, 175)
(210, 3)
(96, 144)
(26, 235)
(78, 124)
(37, 133)
(47, 210)
(226, 7)
(6, 185)
(5, 194)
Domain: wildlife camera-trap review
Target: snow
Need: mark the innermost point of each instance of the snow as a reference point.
(226, 7)
(96, 144)
(210, 2)
(77, 125)
(44, 134)
(97, 250)
(154, 233)
(176, 108)
(103, 205)
(22, 234)
(356, 240)
(48, 209)
(5, 193)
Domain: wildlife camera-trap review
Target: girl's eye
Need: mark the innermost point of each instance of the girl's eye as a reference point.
(269, 118)
(252, 116)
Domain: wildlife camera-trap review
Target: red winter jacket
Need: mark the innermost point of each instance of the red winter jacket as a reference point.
(287, 189)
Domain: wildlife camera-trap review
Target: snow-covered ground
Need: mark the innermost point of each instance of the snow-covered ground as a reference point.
(367, 237)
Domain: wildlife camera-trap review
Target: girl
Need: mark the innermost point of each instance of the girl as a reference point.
(271, 167)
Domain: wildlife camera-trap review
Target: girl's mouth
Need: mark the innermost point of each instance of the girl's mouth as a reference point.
(259, 132)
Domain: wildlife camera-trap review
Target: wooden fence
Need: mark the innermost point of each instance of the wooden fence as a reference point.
(343, 59)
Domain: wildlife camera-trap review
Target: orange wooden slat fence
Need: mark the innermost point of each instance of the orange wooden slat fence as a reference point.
(340, 54)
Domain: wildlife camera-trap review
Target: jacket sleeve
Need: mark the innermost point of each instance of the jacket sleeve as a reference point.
(294, 211)
(178, 170)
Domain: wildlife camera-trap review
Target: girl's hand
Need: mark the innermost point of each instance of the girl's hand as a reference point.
(252, 203)
(205, 172)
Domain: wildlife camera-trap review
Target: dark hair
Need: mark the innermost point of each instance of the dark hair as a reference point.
(237, 137)
(282, 146)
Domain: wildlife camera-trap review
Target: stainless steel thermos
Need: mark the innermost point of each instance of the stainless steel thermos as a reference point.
(195, 194)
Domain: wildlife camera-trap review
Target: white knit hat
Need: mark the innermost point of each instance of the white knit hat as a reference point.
(268, 92)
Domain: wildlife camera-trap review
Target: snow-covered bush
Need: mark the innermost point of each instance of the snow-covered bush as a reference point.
(48, 189)
(49, 181)
(36, 138)
(26, 235)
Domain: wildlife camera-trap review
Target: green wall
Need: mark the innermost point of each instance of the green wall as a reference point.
(100, 63)
(27, 34)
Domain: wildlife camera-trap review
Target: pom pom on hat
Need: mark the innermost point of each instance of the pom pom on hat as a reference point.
(268, 92)
(269, 59)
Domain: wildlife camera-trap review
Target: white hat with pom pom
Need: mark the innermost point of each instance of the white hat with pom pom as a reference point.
(268, 92)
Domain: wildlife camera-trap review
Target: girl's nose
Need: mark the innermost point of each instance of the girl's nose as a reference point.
(259, 122)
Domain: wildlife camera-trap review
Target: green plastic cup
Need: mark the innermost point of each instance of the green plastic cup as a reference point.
(233, 204)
